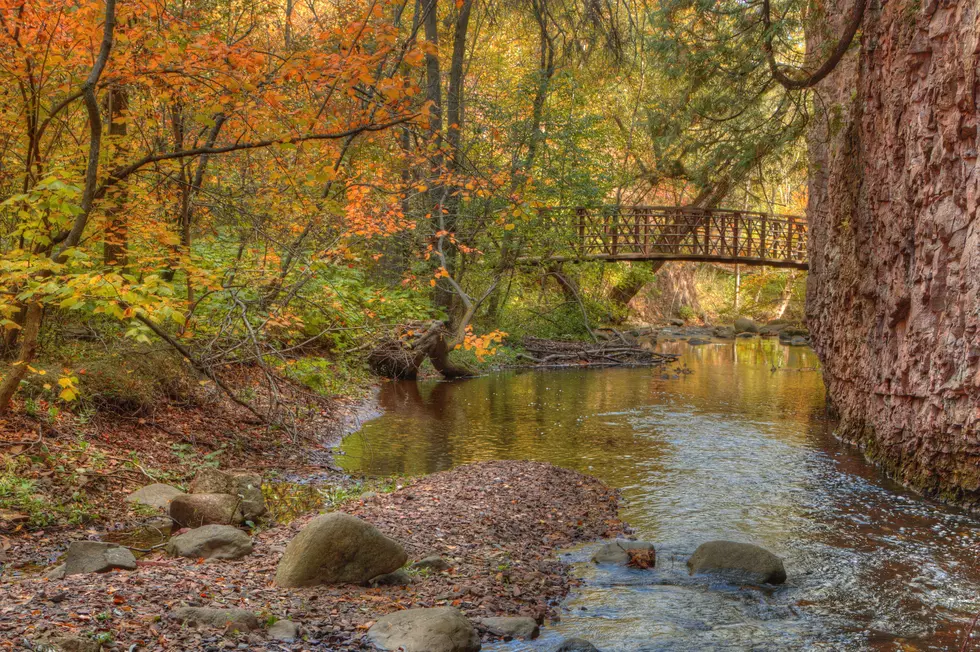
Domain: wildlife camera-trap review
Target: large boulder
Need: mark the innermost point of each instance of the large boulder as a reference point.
(441, 629)
(246, 485)
(338, 548)
(195, 510)
(621, 552)
(211, 542)
(154, 495)
(230, 620)
(97, 557)
(745, 325)
(740, 562)
(511, 627)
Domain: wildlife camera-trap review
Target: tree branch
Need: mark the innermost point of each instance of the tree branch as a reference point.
(811, 79)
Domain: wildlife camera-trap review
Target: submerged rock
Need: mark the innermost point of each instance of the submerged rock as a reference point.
(724, 332)
(231, 620)
(512, 627)
(154, 495)
(97, 557)
(576, 645)
(245, 485)
(440, 629)
(618, 552)
(742, 562)
(211, 542)
(195, 510)
(338, 548)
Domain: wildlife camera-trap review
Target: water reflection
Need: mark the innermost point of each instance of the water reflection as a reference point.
(737, 449)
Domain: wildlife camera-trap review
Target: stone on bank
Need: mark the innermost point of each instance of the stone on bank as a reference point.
(211, 542)
(338, 548)
(440, 629)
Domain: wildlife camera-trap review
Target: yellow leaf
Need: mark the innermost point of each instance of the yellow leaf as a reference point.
(64, 382)
(67, 395)
(508, 227)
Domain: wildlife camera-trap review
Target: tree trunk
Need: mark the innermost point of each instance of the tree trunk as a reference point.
(117, 230)
(786, 295)
(28, 351)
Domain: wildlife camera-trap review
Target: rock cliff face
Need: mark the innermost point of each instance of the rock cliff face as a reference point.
(893, 298)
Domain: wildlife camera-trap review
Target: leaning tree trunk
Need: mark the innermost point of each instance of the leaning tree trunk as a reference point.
(400, 355)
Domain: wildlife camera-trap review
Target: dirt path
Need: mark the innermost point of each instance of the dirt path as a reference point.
(499, 524)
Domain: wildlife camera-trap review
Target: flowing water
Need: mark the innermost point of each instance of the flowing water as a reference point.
(738, 448)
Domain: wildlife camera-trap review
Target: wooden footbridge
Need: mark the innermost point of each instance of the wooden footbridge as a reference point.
(661, 233)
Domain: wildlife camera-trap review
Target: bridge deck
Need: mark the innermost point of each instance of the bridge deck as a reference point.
(619, 233)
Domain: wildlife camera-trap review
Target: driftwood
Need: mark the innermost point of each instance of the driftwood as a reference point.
(609, 353)
(400, 354)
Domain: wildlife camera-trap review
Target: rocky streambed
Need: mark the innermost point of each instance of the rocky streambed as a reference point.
(477, 542)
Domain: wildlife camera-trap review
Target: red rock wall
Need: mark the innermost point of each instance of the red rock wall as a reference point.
(893, 298)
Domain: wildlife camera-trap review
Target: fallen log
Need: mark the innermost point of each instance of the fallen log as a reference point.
(611, 353)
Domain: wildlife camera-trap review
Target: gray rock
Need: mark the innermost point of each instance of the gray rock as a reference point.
(512, 627)
(368, 496)
(398, 578)
(576, 645)
(56, 573)
(675, 321)
(724, 332)
(97, 557)
(284, 630)
(338, 548)
(247, 486)
(799, 341)
(441, 629)
(433, 563)
(154, 495)
(66, 644)
(745, 325)
(195, 510)
(741, 562)
(211, 542)
(743, 336)
(231, 620)
(697, 341)
(615, 552)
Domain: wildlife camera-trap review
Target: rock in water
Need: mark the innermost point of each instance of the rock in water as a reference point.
(154, 495)
(97, 557)
(195, 510)
(724, 332)
(441, 629)
(284, 630)
(745, 325)
(619, 552)
(742, 562)
(576, 645)
(338, 548)
(512, 627)
(247, 486)
(231, 620)
(211, 542)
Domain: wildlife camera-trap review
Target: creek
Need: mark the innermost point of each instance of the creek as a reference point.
(735, 445)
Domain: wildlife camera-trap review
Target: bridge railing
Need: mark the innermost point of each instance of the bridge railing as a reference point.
(681, 233)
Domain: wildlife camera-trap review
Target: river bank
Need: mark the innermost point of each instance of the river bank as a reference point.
(497, 524)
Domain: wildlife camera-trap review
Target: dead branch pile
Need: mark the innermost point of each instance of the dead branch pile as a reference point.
(611, 353)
